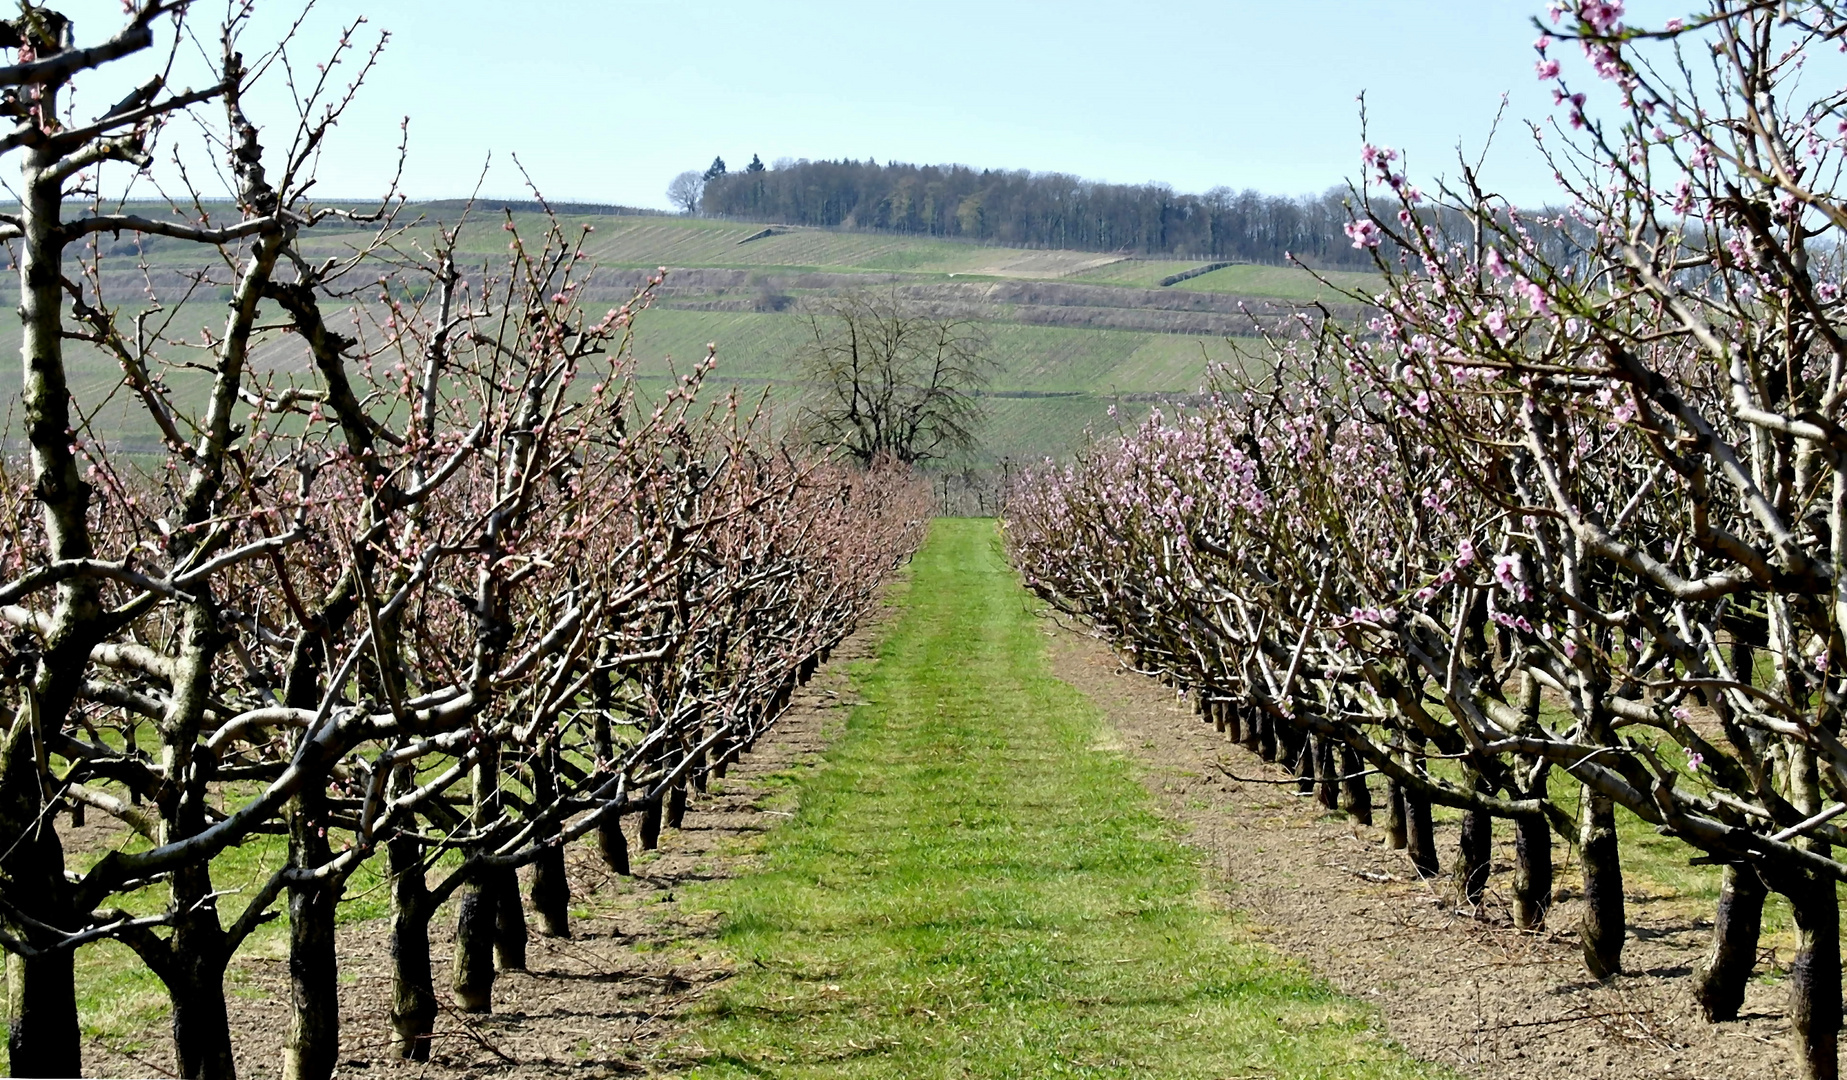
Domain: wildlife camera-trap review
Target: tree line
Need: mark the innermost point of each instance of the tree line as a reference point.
(1027, 209)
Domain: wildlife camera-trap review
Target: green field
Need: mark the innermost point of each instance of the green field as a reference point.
(975, 885)
(1050, 382)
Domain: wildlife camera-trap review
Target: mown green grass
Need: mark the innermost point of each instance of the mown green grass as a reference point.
(1283, 282)
(976, 885)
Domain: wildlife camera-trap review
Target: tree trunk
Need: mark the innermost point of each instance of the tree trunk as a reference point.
(1420, 839)
(1299, 753)
(42, 1037)
(551, 892)
(475, 919)
(676, 805)
(651, 824)
(1601, 927)
(1719, 982)
(313, 1046)
(413, 991)
(1473, 850)
(1815, 978)
(1248, 734)
(1327, 774)
(201, 1025)
(1355, 796)
(1267, 748)
(1532, 871)
(612, 844)
(509, 921)
(1396, 829)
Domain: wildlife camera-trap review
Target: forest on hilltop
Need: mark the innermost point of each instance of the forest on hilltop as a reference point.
(1053, 210)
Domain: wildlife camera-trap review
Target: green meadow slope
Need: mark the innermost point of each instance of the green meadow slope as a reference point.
(1072, 332)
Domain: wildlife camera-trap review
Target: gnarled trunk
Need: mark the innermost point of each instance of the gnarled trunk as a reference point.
(1602, 925)
(413, 990)
(1397, 829)
(313, 1046)
(509, 921)
(477, 902)
(1815, 978)
(1355, 796)
(1719, 982)
(1532, 871)
(1327, 774)
(201, 1024)
(651, 824)
(42, 1037)
(612, 843)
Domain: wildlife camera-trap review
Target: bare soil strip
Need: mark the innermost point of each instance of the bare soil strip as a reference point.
(1470, 992)
(600, 1003)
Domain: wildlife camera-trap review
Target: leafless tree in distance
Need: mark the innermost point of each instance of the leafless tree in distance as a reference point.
(887, 379)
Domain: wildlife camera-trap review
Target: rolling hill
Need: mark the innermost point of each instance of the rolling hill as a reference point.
(1072, 332)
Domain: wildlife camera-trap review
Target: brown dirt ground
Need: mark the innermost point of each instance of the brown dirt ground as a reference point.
(1470, 992)
(601, 1003)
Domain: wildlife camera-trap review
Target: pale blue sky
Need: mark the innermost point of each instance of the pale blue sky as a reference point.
(606, 101)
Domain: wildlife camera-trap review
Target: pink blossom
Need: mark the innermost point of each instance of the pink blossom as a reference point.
(1465, 553)
(1535, 295)
(1495, 264)
(1604, 16)
(1364, 234)
(1547, 69)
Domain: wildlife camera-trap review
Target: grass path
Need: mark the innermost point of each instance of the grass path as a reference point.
(975, 886)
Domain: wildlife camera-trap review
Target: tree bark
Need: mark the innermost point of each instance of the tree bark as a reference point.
(509, 921)
(676, 805)
(1397, 834)
(1532, 871)
(1420, 839)
(551, 891)
(1267, 748)
(1815, 978)
(42, 1036)
(1719, 982)
(201, 1024)
(1474, 849)
(477, 914)
(1299, 752)
(1355, 796)
(651, 824)
(475, 918)
(413, 990)
(1327, 774)
(1602, 925)
(612, 843)
(313, 1046)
